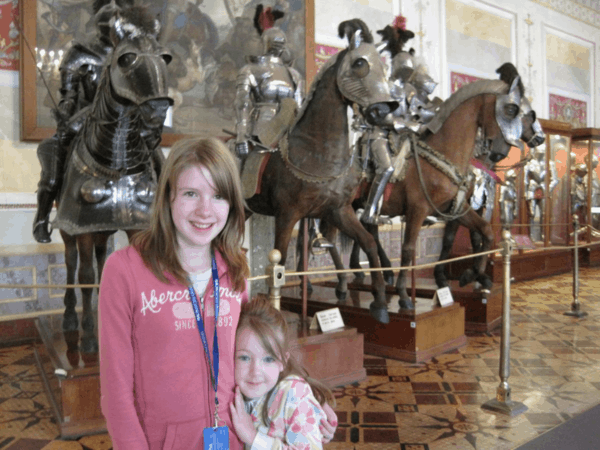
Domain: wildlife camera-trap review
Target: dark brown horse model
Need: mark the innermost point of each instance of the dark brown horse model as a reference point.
(533, 136)
(315, 173)
(434, 180)
(110, 177)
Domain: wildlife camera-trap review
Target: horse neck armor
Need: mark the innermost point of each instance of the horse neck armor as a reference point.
(115, 142)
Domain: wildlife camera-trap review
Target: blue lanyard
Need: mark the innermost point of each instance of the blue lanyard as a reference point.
(214, 375)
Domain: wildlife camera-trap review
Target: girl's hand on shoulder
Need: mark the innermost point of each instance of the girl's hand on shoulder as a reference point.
(328, 425)
(242, 422)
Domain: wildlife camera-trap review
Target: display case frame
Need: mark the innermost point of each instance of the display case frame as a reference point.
(557, 223)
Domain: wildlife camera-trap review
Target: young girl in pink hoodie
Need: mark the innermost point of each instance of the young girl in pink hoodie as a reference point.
(169, 305)
(160, 388)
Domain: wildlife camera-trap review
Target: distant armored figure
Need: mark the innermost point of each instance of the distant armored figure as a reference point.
(262, 86)
(593, 176)
(535, 185)
(579, 191)
(509, 204)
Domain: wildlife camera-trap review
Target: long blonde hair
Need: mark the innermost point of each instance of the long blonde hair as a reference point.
(267, 322)
(158, 243)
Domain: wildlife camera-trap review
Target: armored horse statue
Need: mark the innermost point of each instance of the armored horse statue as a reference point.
(111, 169)
(433, 167)
(315, 172)
(533, 136)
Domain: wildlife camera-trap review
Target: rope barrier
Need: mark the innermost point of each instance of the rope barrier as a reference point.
(314, 272)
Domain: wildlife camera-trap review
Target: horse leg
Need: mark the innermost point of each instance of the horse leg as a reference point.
(89, 341)
(300, 252)
(414, 222)
(284, 225)
(329, 232)
(359, 275)
(388, 275)
(439, 272)
(348, 223)
(480, 228)
(70, 320)
(85, 244)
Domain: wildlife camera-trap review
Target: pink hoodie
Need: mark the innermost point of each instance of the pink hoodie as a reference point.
(154, 376)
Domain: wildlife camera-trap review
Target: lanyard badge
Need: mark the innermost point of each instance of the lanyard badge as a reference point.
(215, 438)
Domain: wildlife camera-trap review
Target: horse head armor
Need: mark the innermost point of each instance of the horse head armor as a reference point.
(507, 114)
(361, 76)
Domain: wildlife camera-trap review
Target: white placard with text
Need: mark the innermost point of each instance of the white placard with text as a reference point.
(443, 296)
(327, 320)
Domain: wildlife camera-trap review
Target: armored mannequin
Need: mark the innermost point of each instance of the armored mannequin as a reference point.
(412, 84)
(578, 190)
(80, 72)
(535, 184)
(509, 204)
(263, 84)
(595, 181)
(374, 143)
(484, 193)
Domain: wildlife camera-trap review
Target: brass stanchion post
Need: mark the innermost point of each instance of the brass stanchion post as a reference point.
(503, 403)
(576, 305)
(276, 278)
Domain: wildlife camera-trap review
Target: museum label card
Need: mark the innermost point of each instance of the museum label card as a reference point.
(523, 241)
(327, 320)
(443, 296)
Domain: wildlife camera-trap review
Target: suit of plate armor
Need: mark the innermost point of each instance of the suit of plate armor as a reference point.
(80, 72)
(261, 86)
(411, 87)
(509, 205)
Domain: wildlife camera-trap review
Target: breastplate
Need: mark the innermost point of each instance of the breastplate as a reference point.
(274, 83)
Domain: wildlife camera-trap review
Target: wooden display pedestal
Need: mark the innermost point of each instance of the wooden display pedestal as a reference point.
(524, 265)
(483, 310)
(335, 357)
(71, 379)
(410, 336)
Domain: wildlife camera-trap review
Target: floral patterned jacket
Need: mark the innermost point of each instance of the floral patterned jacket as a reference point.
(294, 415)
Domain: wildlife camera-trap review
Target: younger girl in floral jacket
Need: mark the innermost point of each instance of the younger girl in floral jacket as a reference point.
(281, 405)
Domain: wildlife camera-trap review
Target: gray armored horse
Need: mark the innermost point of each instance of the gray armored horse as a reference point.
(111, 171)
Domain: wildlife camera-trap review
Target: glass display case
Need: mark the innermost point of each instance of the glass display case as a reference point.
(542, 217)
(585, 180)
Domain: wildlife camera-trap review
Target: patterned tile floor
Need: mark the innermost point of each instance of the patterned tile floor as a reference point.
(555, 372)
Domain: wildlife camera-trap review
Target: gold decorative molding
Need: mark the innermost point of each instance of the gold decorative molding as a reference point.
(575, 10)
